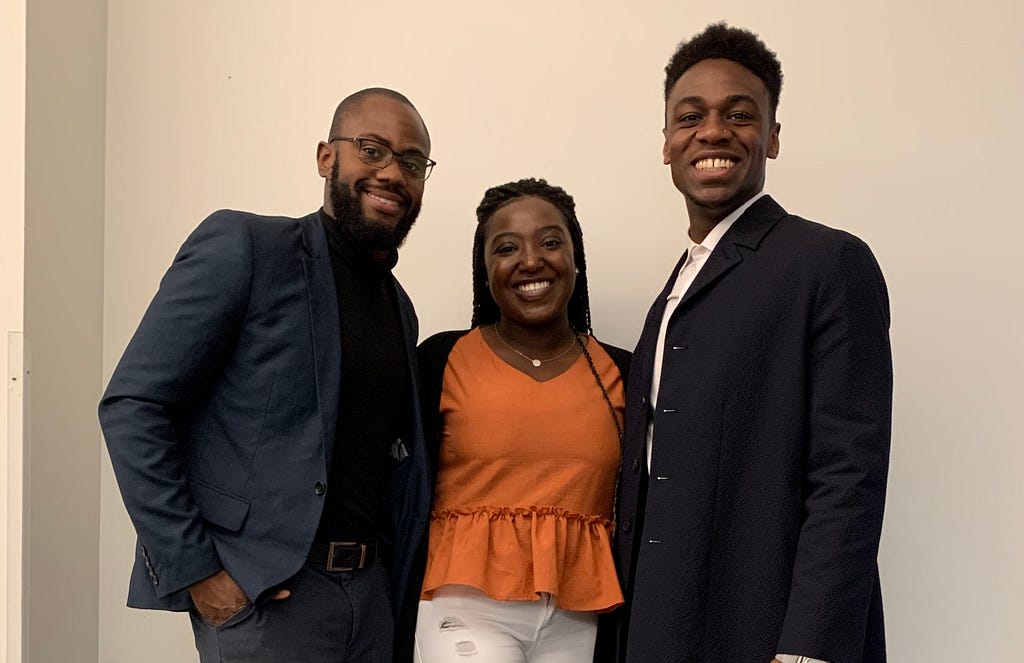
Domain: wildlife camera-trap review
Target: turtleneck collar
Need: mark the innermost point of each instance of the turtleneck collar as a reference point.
(341, 243)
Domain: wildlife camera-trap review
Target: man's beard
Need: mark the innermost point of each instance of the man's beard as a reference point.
(366, 233)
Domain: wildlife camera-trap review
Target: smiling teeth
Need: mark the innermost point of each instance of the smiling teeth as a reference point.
(535, 286)
(711, 164)
(391, 203)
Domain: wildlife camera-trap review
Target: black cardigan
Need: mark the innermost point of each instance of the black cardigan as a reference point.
(433, 358)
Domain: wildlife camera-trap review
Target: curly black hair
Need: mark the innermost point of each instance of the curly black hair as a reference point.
(742, 46)
(485, 310)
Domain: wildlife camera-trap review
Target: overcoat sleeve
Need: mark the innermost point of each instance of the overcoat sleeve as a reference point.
(850, 405)
(184, 338)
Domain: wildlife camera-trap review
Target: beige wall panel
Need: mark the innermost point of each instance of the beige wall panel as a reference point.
(12, 285)
(64, 160)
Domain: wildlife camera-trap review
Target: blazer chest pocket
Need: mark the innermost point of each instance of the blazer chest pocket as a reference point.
(222, 509)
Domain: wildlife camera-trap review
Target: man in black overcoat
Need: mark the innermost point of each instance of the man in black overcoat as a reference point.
(758, 423)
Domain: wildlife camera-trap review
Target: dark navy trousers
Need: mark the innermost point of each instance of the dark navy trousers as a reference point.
(330, 617)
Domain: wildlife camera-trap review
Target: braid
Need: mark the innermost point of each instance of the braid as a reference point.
(600, 383)
(485, 310)
(615, 418)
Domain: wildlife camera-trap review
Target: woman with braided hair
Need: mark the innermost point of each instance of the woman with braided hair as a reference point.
(524, 419)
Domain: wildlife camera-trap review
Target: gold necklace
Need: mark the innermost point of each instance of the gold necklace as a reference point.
(536, 362)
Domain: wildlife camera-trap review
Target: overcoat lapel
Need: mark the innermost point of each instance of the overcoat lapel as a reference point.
(748, 231)
(325, 325)
(642, 366)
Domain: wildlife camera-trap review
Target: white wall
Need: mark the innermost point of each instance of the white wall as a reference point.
(12, 283)
(899, 124)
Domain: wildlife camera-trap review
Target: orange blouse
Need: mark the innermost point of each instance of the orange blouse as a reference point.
(526, 479)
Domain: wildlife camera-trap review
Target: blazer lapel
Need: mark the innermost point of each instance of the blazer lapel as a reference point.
(410, 334)
(325, 326)
(411, 482)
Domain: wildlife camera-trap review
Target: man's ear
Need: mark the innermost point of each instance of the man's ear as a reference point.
(324, 159)
(664, 147)
(773, 141)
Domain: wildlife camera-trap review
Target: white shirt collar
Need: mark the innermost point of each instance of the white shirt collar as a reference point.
(711, 241)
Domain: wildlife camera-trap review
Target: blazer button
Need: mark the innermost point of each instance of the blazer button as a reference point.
(627, 526)
(319, 488)
(636, 465)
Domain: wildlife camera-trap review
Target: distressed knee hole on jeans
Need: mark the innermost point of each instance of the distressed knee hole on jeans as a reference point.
(465, 647)
(450, 624)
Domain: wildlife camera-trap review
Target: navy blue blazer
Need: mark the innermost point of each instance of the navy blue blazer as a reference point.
(220, 417)
(757, 530)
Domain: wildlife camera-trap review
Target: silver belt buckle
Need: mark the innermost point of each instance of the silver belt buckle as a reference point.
(330, 555)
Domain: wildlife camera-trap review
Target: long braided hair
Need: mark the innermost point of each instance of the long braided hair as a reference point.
(485, 310)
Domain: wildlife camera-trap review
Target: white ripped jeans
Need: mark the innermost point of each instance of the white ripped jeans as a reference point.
(464, 625)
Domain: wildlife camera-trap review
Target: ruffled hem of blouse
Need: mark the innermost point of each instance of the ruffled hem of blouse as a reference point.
(514, 512)
(519, 553)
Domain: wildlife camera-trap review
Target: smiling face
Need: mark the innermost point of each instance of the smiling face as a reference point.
(530, 264)
(380, 204)
(718, 132)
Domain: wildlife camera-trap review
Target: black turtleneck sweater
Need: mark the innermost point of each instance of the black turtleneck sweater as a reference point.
(373, 412)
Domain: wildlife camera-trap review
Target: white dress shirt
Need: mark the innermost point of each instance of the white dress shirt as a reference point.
(696, 256)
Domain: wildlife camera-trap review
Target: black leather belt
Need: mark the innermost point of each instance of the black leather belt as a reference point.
(343, 555)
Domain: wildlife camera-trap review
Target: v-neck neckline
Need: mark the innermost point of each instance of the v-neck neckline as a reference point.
(499, 360)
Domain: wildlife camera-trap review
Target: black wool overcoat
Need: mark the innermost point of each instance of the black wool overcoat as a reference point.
(756, 530)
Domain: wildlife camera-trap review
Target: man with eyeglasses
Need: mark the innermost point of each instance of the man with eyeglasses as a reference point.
(263, 423)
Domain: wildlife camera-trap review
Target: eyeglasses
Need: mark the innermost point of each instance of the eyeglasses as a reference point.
(377, 154)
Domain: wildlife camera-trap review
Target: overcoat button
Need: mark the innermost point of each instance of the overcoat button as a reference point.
(626, 526)
(319, 488)
(636, 465)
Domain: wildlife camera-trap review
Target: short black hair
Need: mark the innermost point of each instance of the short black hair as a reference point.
(352, 102)
(742, 46)
(485, 310)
